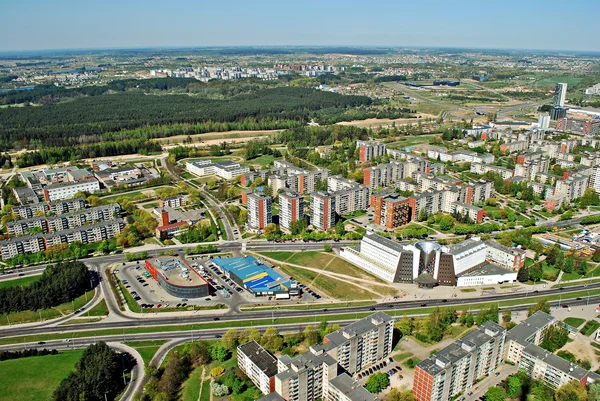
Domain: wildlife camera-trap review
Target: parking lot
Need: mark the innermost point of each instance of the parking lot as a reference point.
(391, 368)
(144, 288)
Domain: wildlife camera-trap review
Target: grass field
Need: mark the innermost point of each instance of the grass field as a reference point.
(151, 205)
(35, 378)
(99, 310)
(147, 349)
(205, 394)
(590, 327)
(190, 390)
(326, 285)
(128, 195)
(46, 314)
(264, 160)
(20, 282)
(552, 81)
(574, 321)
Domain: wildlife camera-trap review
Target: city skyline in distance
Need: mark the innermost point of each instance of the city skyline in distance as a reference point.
(549, 25)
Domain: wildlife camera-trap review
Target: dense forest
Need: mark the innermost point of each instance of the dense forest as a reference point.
(98, 375)
(59, 284)
(86, 119)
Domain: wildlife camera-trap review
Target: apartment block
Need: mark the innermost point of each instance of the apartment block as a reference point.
(455, 369)
(306, 376)
(225, 169)
(259, 365)
(323, 210)
(56, 207)
(291, 208)
(530, 331)
(368, 150)
(259, 210)
(174, 201)
(362, 343)
(390, 209)
(474, 213)
(40, 242)
(516, 146)
(573, 186)
(480, 168)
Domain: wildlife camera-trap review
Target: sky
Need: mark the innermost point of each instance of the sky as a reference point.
(87, 24)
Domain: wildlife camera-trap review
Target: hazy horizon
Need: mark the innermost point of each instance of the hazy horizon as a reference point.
(38, 25)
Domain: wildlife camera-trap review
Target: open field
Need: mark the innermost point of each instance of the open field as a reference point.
(262, 161)
(99, 310)
(20, 282)
(35, 378)
(328, 286)
(127, 195)
(199, 138)
(190, 389)
(46, 314)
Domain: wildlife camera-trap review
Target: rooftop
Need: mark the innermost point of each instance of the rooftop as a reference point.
(262, 358)
(71, 183)
(385, 242)
(351, 388)
(176, 271)
(315, 356)
(358, 328)
(530, 326)
(464, 246)
(459, 349)
(485, 269)
(503, 248)
(254, 274)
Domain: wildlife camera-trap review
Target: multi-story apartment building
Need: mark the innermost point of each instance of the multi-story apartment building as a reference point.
(362, 343)
(40, 242)
(56, 207)
(291, 208)
(67, 190)
(515, 146)
(583, 126)
(306, 376)
(390, 209)
(64, 221)
(455, 369)
(560, 94)
(322, 205)
(174, 201)
(474, 213)
(573, 186)
(316, 374)
(480, 168)
(512, 258)
(259, 365)
(259, 210)
(530, 331)
(367, 150)
(349, 195)
(385, 175)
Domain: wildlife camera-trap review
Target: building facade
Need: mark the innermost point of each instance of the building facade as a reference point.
(323, 210)
(291, 209)
(259, 210)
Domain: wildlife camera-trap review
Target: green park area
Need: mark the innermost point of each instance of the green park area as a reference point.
(35, 378)
(21, 281)
(146, 349)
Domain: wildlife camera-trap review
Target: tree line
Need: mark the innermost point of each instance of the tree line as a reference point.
(59, 283)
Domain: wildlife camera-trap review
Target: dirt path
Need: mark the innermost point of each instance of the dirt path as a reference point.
(341, 277)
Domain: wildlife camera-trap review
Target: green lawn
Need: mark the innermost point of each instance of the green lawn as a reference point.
(356, 213)
(187, 176)
(99, 310)
(402, 356)
(20, 282)
(574, 321)
(151, 205)
(326, 285)
(46, 314)
(190, 389)
(205, 394)
(147, 349)
(280, 256)
(590, 327)
(35, 378)
(264, 160)
(128, 195)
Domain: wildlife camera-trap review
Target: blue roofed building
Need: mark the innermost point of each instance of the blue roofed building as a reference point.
(257, 277)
